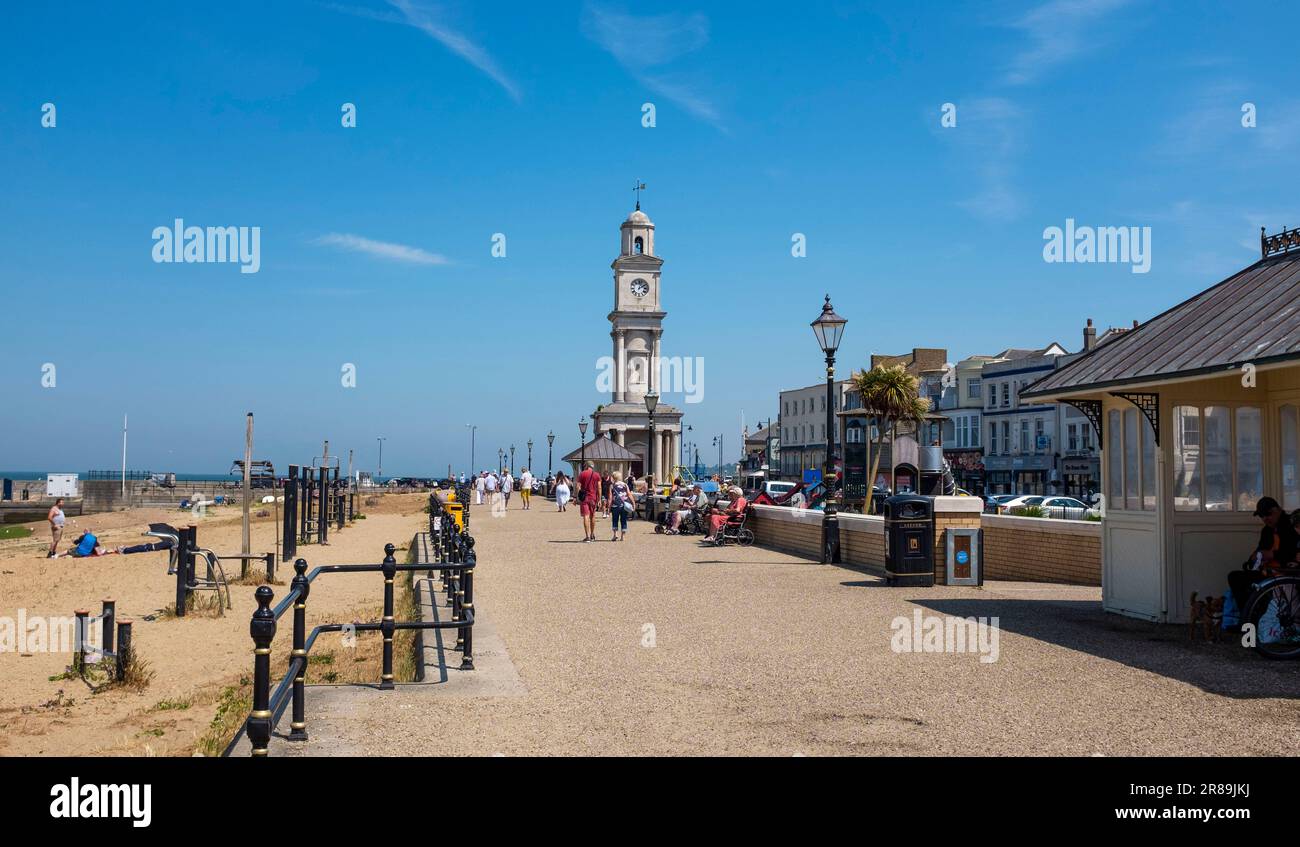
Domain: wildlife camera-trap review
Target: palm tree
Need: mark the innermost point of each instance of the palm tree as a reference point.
(889, 394)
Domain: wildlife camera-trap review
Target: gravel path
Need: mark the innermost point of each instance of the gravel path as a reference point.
(758, 652)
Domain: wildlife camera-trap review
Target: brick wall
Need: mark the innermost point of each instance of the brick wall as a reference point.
(1020, 549)
(1042, 550)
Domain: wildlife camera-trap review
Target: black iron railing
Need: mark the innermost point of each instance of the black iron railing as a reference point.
(1276, 245)
(452, 554)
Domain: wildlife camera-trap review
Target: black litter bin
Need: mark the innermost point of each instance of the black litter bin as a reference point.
(909, 540)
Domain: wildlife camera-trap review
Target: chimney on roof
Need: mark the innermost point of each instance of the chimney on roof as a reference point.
(1135, 323)
(1089, 336)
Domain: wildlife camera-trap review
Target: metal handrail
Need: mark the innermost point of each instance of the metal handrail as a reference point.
(458, 580)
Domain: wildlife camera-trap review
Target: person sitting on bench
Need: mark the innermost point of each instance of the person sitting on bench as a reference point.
(1277, 548)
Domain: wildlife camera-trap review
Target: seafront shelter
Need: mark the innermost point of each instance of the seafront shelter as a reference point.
(1198, 413)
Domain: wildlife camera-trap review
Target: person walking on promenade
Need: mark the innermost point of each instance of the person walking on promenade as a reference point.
(507, 486)
(526, 487)
(480, 486)
(605, 482)
(491, 484)
(56, 519)
(619, 505)
(588, 498)
(561, 492)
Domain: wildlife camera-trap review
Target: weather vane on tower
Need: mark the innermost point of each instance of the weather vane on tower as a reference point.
(638, 188)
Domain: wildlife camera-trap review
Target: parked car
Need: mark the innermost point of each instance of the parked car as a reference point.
(1068, 508)
(993, 502)
(1019, 502)
(776, 488)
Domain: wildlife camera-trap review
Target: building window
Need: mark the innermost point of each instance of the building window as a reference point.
(1087, 435)
(1289, 429)
(1148, 465)
(1114, 461)
(1249, 445)
(1132, 471)
(1024, 436)
(973, 389)
(1216, 441)
(1006, 394)
(974, 431)
(1219, 458)
(1187, 458)
(1006, 438)
(1073, 441)
(993, 439)
(993, 396)
(1039, 444)
(640, 245)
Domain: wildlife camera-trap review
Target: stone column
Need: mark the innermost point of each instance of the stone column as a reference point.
(653, 380)
(620, 347)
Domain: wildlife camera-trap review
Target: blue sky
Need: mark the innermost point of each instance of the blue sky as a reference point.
(525, 119)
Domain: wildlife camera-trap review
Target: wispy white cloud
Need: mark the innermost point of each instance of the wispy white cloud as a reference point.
(988, 139)
(1212, 123)
(429, 21)
(1059, 31)
(642, 44)
(381, 249)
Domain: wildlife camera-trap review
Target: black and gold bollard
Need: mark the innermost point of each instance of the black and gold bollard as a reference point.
(79, 637)
(106, 621)
(262, 628)
(123, 647)
(467, 608)
(298, 726)
(388, 625)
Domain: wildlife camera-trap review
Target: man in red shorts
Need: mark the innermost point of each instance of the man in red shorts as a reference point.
(588, 500)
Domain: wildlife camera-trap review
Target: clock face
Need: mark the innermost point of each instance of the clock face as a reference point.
(640, 288)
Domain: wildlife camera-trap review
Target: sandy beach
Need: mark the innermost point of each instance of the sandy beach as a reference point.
(193, 658)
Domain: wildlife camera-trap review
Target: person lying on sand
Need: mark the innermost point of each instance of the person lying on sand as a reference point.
(85, 546)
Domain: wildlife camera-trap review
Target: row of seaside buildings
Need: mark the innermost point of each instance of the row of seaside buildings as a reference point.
(994, 442)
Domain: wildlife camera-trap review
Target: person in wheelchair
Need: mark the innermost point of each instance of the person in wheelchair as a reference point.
(720, 518)
(694, 504)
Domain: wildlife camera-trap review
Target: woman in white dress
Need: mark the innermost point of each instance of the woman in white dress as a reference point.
(561, 491)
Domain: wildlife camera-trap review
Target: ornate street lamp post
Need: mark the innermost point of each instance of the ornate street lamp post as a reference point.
(472, 430)
(582, 442)
(550, 451)
(530, 455)
(512, 460)
(829, 329)
(651, 401)
(501, 460)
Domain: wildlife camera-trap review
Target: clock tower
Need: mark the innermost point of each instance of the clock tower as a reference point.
(637, 332)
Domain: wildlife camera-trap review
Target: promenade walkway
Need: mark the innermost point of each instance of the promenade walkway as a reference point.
(662, 645)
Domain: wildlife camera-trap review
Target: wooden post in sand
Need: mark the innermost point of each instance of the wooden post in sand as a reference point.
(248, 493)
